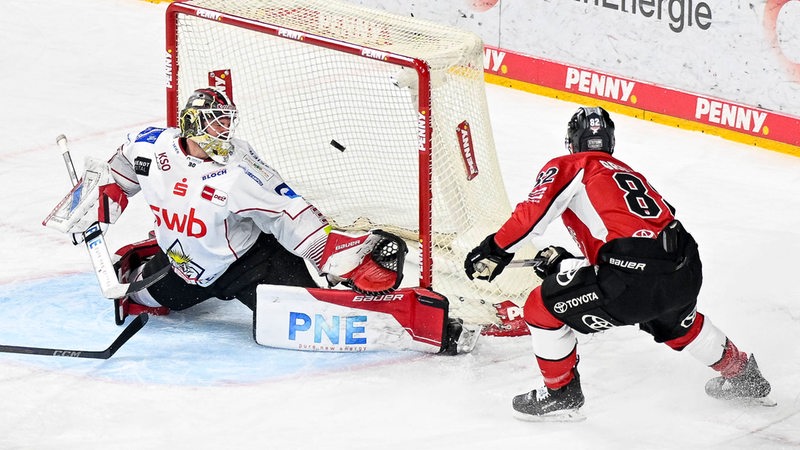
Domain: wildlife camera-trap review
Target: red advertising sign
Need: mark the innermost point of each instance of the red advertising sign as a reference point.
(761, 125)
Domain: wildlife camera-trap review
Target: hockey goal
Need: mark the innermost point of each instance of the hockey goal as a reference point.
(379, 120)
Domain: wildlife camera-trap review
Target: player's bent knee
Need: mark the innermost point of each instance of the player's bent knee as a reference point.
(536, 314)
(575, 298)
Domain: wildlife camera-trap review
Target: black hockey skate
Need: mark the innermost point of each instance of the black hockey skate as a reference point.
(749, 386)
(545, 404)
(460, 337)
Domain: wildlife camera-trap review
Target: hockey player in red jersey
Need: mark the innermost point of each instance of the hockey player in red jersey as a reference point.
(640, 266)
(225, 222)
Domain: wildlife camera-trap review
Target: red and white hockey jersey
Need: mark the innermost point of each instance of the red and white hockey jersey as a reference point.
(598, 197)
(208, 214)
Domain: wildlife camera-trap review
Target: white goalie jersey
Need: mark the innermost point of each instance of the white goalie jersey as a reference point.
(208, 214)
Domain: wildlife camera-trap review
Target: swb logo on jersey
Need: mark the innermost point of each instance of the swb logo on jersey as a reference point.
(189, 224)
(215, 196)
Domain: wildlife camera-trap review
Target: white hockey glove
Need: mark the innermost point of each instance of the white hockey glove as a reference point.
(370, 264)
(96, 198)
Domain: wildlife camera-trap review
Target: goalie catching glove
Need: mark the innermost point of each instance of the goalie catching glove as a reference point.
(370, 264)
(487, 260)
(96, 198)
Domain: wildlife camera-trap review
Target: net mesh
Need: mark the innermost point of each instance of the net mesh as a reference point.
(342, 129)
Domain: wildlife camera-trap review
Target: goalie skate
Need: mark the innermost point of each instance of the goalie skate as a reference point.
(749, 387)
(461, 337)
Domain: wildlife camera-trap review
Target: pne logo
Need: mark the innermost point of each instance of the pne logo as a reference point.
(354, 328)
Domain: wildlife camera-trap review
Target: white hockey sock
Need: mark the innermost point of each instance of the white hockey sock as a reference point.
(553, 345)
(709, 344)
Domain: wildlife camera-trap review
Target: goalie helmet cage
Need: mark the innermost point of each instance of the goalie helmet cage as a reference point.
(379, 120)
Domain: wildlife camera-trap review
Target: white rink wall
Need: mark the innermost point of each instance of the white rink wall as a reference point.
(747, 52)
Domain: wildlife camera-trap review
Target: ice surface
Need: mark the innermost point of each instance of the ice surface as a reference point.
(94, 69)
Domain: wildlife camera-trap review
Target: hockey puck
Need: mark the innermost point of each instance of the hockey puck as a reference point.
(337, 145)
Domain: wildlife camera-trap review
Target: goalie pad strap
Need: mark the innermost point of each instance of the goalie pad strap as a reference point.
(112, 203)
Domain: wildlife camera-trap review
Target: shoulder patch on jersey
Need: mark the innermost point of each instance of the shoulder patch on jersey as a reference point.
(256, 170)
(215, 173)
(546, 176)
(215, 196)
(141, 165)
(285, 190)
(149, 135)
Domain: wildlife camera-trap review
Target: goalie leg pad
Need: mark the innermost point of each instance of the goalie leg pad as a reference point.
(333, 320)
(134, 255)
(129, 267)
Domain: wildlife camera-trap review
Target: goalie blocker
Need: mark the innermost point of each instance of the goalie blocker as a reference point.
(335, 320)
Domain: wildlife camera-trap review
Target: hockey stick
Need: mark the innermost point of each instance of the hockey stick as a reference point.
(98, 251)
(132, 328)
(532, 262)
(481, 267)
(524, 263)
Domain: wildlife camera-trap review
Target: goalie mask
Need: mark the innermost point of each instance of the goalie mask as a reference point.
(209, 119)
(590, 129)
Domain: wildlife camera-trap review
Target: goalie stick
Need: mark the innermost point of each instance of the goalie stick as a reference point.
(98, 251)
(132, 328)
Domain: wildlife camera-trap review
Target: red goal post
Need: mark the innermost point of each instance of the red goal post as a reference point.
(378, 120)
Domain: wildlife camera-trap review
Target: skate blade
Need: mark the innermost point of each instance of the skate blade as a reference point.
(748, 402)
(763, 401)
(469, 337)
(566, 415)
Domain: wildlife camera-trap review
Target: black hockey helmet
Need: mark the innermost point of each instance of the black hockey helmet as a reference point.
(590, 129)
(207, 108)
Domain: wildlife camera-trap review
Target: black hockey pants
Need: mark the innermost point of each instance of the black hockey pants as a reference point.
(650, 282)
(267, 262)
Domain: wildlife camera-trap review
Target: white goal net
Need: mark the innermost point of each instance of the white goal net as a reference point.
(378, 120)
